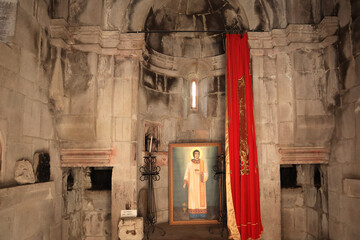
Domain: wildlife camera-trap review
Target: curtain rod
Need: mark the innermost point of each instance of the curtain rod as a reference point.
(195, 31)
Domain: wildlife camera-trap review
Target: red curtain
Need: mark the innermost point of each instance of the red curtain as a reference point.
(244, 174)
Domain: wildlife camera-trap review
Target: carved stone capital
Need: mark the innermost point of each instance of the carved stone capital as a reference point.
(295, 36)
(94, 39)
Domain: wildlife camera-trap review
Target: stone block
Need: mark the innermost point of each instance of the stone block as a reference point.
(126, 68)
(76, 128)
(347, 122)
(176, 105)
(265, 133)
(9, 57)
(123, 129)
(269, 66)
(331, 58)
(83, 102)
(47, 125)
(32, 118)
(174, 85)
(299, 13)
(310, 107)
(130, 229)
(27, 31)
(300, 219)
(351, 187)
(267, 91)
(335, 178)
(122, 97)
(161, 198)
(349, 74)
(86, 13)
(28, 65)
(93, 223)
(286, 133)
(306, 85)
(310, 196)
(324, 227)
(168, 131)
(286, 111)
(345, 151)
(307, 61)
(291, 197)
(336, 230)
(313, 222)
(350, 211)
(334, 206)
(314, 130)
(287, 220)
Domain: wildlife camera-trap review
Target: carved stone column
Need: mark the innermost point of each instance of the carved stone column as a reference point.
(291, 102)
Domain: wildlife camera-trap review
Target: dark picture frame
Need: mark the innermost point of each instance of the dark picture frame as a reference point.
(192, 172)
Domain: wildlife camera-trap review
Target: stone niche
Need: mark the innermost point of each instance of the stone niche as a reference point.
(87, 202)
(304, 202)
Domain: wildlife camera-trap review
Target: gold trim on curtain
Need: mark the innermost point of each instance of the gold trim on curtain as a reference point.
(231, 220)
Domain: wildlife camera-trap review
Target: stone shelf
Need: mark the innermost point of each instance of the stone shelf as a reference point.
(303, 155)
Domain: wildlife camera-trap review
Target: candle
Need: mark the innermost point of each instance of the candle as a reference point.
(150, 143)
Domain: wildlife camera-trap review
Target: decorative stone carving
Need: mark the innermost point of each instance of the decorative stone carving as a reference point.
(131, 228)
(24, 172)
(94, 39)
(56, 90)
(42, 167)
(304, 155)
(86, 157)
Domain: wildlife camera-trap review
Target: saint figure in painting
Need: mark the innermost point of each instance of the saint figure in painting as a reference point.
(195, 178)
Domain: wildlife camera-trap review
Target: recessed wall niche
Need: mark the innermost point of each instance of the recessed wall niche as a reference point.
(152, 133)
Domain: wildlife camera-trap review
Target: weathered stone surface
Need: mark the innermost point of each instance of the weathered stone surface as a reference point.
(76, 128)
(300, 219)
(131, 229)
(8, 10)
(313, 222)
(32, 117)
(351, 187)
(24, 172)
(310, 107)
(123, 129)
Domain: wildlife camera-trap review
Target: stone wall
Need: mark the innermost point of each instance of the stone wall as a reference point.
(30, 212)
(344, 167)
(170, 107)
(87, 212)
(304, 209)
(26, 123)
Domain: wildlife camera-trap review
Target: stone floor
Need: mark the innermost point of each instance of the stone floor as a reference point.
(188, 232)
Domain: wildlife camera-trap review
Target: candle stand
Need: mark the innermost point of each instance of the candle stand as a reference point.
(150, 172)
(220, 174)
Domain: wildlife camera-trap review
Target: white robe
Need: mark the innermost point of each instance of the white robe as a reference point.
(192, 179)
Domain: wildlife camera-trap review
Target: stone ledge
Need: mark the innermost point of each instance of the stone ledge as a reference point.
(296, 36)
(351, 187)
(19, 194)
(303, 155)
(94, 39)
(86, 157)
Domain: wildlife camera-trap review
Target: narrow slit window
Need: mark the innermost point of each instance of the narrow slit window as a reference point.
(194, 94)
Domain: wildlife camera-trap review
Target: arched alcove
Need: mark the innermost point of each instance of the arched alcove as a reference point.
(171, 61)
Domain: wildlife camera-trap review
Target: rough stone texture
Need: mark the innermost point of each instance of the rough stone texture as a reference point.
(342, 216)
(24, 172)
(8, 11)
(26, 123)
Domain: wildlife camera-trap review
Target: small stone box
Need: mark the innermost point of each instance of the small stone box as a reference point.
(131, 228)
